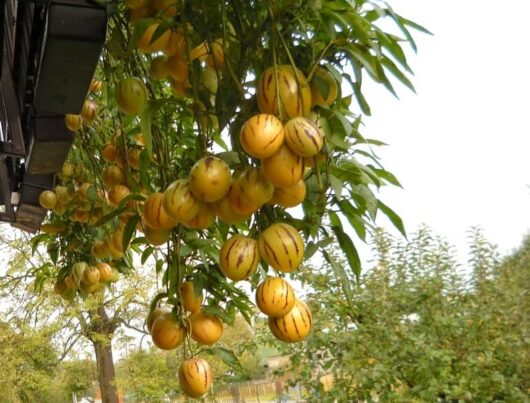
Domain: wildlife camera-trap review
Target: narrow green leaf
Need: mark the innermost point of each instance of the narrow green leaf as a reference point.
(227, 356)
(354, 217)
(336, 184)
(129, 230)
(145, 255)
(396, 72)
(145, 124)
(341, 275)
(107, 217)
(393, 217)
(347, 246)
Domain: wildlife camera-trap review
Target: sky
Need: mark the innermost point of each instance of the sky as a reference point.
(460, 145)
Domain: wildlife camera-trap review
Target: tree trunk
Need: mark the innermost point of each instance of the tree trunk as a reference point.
(102, 338)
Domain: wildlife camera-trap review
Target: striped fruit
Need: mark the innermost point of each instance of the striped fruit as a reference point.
(146, 44)
(156, 237)
(275, 297)
(294, 326)
(179, 201)
(210, 179)
(303, 137)
(254, 187)
(117, 193)
(204, 218)
(109, 152)
(166, 332)
(89, 111)
(226, 213)
(324, 87)
(190, 301)
(91, 275)
(239, 257)
(284, 168)
(282, 247)
(262, 135)
(73, 122)
(195, 377)
(131, 96)
(95, 86)
(293, 90)
(289, 196)
(205, 329)
(154, 315)
(105, 272)
(154, 214)
(239, 204)
(113, 175)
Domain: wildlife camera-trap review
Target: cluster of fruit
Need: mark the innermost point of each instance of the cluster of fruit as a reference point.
(88, 113)
(86, 279)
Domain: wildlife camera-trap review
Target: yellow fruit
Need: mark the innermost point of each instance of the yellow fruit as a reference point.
(199, 52)
(210, 80)
(73, 122)
(205, 329)
(324, 88)
(159, 68)
(178, 68)
(303, 137)
(179, 201)
(95, 86)
(132, 96)
(216, 55)
(60, 287)
(284, 168)
(48, 199)
(195, 377)
(275, 297)
(294, 326)
(154, 315)
(117, 193)
(156, 237)
(254, 186)
(176, 44)
(262, 135)
(191, 302)
(67, 170)
(204, 218)
(113, 175)
(291, 86)
(226, 213)
(155, 216)
(315, 160)
(105, 272)
(91, 275)
(70, 281)
(239, 204)
(146, 44)
(282, 247)
(136, 4)
(89, 288)
(289, 196)
(141, 13)
(109, 152)
(166, 332)
(168, 7)
(239, 257)
(89, 111)
(210, 179)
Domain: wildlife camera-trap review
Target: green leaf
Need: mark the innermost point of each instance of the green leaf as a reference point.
(145, 124)
(139, 29)
(361, 100)
(393, 217)
(145, 255)
(391, 66)
(129, 230)
(227, 356)
(347, 246)
(36, 240)
(341, 275)
(354, 218)
(336, 184)
(107, 217)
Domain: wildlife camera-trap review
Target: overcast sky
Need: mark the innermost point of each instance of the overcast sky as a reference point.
(460, 146)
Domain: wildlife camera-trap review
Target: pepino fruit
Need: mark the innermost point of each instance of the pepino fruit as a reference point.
(154, 214)
(294, 326)
(204, 218)
(303, 137)
(179, 201)
(324, 87)
(156, 237)
(254, 187)
(154, 315)
(195, 377)
(146, 44)
(289, 196)
(89, 111)
(239, 257)
(284, 168)
(190, 300)
(205, 329)
(226, 213)
(275, 297)
(48, 199)
(282, 247)
(105, 272)
(91, 275)
(210, 179)
(166, 332)
(132, 96)
(262, 135)
(73, 122)
(291, 86)
(159, 67)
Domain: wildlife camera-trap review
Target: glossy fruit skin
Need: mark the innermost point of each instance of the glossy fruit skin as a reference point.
(205, 329)
(73, 122)
(294, 92)
(113, 175)
(294, 326)
(262, 135)
(89, 111)
(156, 237)
(117, 193)
(289, 196)
(210, 179)
(195, 377)
(95, 86)
(154, 214)
(204, 218)
(326, 80)
(48, 199)
(282, 247)
(303, 137)
(179, 201)
(166, 332)
(254, 187)
(109, 152)
(154, 315)
(275, 297)
(225, 212)
(239, 257)
(159, 68)
(239, 204)
(146, 45)
(190, 302)
(132, 96)
(91, 275)
(284, 168)
(105, 272)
